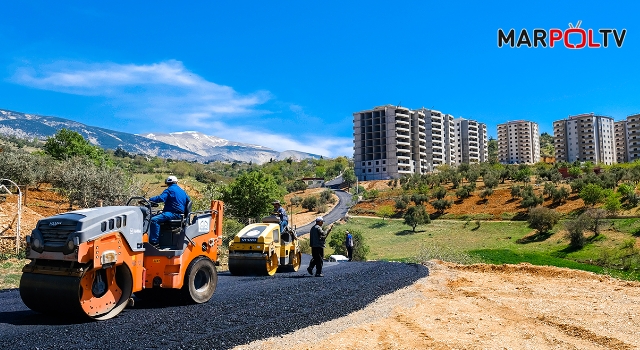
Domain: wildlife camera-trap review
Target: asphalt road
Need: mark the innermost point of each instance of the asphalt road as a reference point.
(243, 309)
(338, 212)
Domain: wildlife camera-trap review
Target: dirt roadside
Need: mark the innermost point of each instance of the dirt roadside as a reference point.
(487, 307)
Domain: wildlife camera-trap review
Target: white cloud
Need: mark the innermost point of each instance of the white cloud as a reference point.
(165, 86)
(169, 94)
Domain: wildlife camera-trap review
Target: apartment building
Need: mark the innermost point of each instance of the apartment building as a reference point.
(389, 141)
(518, 142)
(633, 137)
(440, 137)
(621, 135)
(471, 141)
(585, 137)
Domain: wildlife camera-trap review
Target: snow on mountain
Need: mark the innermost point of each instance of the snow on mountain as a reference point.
(187, 145)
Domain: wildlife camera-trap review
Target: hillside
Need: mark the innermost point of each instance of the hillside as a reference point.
(188, 145)
(216, 148)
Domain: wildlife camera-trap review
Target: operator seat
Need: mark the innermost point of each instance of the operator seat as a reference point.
(170, 231)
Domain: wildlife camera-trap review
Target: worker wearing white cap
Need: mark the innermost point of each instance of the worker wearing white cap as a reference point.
(317, 238)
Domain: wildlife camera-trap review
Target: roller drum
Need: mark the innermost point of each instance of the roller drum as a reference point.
(253, 264)
(51, 294)
(97, 294)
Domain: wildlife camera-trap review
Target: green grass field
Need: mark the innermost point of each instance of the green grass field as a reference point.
(496, 242)
(10, 272)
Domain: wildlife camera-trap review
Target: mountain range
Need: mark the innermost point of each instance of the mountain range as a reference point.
(187, 145)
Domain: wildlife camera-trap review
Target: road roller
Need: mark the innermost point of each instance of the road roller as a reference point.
(261, 250)
(88, 263)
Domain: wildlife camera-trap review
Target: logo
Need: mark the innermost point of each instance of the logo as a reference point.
(572, 38)
(55, 223)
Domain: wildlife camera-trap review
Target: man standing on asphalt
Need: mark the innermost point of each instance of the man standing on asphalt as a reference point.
(348, 242)
(317, 237)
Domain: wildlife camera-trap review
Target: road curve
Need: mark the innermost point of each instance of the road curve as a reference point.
(337, 213)
(243, 309)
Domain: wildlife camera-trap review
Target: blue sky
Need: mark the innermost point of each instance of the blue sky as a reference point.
(289, 75)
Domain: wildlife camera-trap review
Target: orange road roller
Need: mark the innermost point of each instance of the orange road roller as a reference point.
(261, 250)
(90, 262)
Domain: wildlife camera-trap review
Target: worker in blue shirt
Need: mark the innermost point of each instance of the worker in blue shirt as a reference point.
(279, 211)
(175, 201)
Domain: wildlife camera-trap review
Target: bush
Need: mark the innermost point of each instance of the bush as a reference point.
(326, 196)
(310, 203)
(516, 191)
(296, 200)
(463, 192)
(419, 198)
(486, 193)
(373, 194)
(542, 219)
(385, 211)
(337, 240)
(592, 194)
(441, 205)
(401, 203)
(416, 215)
(575, 232)
(439, 192)
(560, 195)
(531, 200)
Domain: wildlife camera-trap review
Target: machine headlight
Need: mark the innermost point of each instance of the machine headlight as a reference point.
(36, 243)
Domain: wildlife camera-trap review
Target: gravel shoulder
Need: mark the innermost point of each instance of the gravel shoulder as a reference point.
(486, 307)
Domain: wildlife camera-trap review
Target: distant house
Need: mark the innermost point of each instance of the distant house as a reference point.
(313, 182)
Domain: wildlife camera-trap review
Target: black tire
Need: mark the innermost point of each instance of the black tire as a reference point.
(200, 281)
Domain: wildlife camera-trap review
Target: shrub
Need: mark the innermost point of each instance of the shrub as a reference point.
(463, 192)
(549, 189)
(337, 240)
(416, 215)
(439, 192)
(401, 204)
(310, 203)
(486, 193)
(385, 211)
(326, 196)
(419, 198)
(592, 194)
(531, 200)
(296, 200)
(542, 219)
(560, 195)
(441, 205)
(575, 232)
(516, 191)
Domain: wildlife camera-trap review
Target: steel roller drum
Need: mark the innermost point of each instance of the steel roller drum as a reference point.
(252, 264)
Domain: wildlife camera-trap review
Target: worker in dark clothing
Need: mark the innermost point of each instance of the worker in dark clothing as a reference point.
(317, 238)
(279, 211)
(348, 242)
(175, 201)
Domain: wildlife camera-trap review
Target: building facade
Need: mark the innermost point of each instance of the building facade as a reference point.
(390, 141)
(387, 143)
(471, 141)
(518, 142)
(621, 135)
(585, 137)
(440, 133)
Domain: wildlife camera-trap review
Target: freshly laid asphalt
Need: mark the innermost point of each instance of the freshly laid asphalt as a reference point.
(243, 309)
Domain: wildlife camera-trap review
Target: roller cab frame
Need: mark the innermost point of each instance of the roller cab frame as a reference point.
(90, 262)
(261, 250)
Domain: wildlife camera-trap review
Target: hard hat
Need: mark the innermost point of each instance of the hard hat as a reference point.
(319, 218)
(171, 180)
